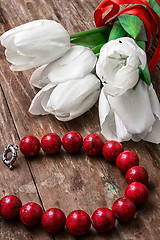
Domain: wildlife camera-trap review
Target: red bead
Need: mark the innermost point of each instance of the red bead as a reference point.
(103, 220)
(78, 223)
(93, 144)
(126, 160)
(72, 141)
(137, 174)
(137, 192)
(10, 206)
(30, 146)
(51, 143)
(53, 220)
(30, 214)
(111, 150)
(124, 209)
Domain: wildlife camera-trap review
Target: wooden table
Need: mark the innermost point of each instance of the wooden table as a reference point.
(65, 181)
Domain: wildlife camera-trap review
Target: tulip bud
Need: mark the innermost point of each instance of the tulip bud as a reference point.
(76, 63)
(35, 43)
(127, 117)
(118, 64)
(67, 100)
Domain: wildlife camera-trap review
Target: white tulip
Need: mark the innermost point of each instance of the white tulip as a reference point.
(68, 99)
(76, 63)
(118, 63)
(35, 43)
(134, 115)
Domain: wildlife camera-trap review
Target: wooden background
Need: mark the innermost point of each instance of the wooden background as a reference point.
(65, 181)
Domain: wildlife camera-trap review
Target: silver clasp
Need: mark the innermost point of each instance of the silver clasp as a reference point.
(9, 162)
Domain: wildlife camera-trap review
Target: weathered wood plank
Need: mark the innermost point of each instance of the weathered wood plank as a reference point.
(14, 182)
(71, 181)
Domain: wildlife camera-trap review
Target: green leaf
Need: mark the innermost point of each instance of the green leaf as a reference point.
(91, 31)
(90, 40)
(145, 75)
(117, 31)
(97, 48)
(141, 44)
(134, 26)
(134, 88)
(92, 37)
(155, 6)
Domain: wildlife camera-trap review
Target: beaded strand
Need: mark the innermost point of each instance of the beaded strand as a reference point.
(79, 222)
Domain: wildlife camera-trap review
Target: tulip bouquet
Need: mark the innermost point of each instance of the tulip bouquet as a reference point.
(107, 63)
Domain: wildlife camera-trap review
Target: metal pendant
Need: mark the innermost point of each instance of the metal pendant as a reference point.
(10, 161)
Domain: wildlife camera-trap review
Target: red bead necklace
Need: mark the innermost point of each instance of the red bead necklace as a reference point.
(78, 222)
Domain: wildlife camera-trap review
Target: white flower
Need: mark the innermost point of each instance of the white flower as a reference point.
(68, 99)
(68, 87)
(134, 115)
(35, 43)
(76, 63)
(118, 63)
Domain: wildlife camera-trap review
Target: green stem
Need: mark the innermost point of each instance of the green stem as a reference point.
(84, 33)
(97, 48)
(97, 54)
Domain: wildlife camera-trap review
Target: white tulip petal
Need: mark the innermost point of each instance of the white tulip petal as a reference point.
(104, 107)
(40, 60)
(85, 105)
(72, 54)
(44, 39)
(134, 109)
(139, 52)
(36, 107)
(36, 77)
(10, 45)
(154, 101)
(111, 90)
(121, 131)
(154, 135)
(85, 98)
(123, 73)
(133, 79)
(80, 59)
(140, 136)
(106, 118)
(44, 102)
(7, 36)
(107, 129)
(37, 43)
(73, 92)
(21, 67)
(16, 59)
(111, 60)
(112, 127)
(123, 52)
(115, 90)
(118, 63)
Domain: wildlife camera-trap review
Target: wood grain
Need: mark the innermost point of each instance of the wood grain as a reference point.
(66, 181)
(14, 182)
